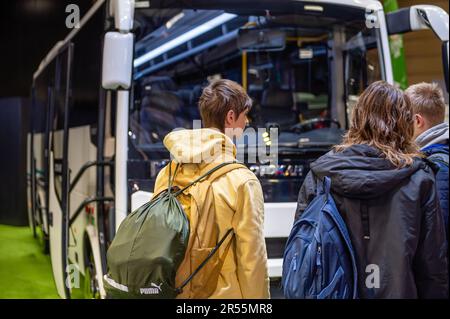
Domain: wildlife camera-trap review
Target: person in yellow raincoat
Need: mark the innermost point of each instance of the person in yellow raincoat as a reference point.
(238, 197)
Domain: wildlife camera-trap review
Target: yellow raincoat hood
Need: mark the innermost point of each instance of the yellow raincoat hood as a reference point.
(200, 146)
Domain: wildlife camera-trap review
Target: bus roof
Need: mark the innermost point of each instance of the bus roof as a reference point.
(236, 4)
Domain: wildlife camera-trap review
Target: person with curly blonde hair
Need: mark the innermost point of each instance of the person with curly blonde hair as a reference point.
(385, 191)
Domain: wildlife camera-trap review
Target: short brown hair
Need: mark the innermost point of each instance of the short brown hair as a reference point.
(384, 119)
(427, 100)
(218, 98)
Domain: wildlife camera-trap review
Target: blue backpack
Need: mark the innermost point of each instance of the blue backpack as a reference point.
(319, 261)
(439, 154)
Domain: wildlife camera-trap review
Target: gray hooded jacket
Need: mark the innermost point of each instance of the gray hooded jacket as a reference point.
(436, 135)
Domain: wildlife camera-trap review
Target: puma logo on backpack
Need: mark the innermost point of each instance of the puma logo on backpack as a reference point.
(154, 290)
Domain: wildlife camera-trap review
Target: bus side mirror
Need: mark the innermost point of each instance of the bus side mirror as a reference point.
(117, 61)
(445, 59)
(421, 17)
(123, 12)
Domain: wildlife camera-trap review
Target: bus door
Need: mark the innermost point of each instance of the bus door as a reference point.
(43, 87)
(58, 174)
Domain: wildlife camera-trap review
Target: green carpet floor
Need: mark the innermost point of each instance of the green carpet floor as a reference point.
(25, 272)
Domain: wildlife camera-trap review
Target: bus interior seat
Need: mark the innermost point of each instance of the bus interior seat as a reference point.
(184, 95)
(278, 106)
(190, 110)
(195, 94)
(194, 97)
(255, 114)
(159, 83)
(160, 111)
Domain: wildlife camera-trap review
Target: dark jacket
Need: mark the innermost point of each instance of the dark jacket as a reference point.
(434, 144)
(438, 154)
(407, 236)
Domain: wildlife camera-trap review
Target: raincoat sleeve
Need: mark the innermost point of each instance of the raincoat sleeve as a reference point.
(430, 262)
(251, 254)
(306, 194)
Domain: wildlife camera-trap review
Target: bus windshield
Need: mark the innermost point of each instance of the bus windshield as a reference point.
(292, 85)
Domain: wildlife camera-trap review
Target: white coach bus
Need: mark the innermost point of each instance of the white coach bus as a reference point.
(106, 95)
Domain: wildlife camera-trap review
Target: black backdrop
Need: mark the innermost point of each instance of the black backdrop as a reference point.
(28, 30)
(13, 139)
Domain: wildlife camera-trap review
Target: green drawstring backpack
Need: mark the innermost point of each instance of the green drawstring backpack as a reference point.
(150, 245)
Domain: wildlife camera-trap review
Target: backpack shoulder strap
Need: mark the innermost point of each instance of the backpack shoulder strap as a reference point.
(323, 186)
(215, 249)
(225, 169)
(439, 157)
(213, 173)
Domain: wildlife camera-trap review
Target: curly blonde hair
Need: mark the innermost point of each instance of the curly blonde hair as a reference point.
(384, 119)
